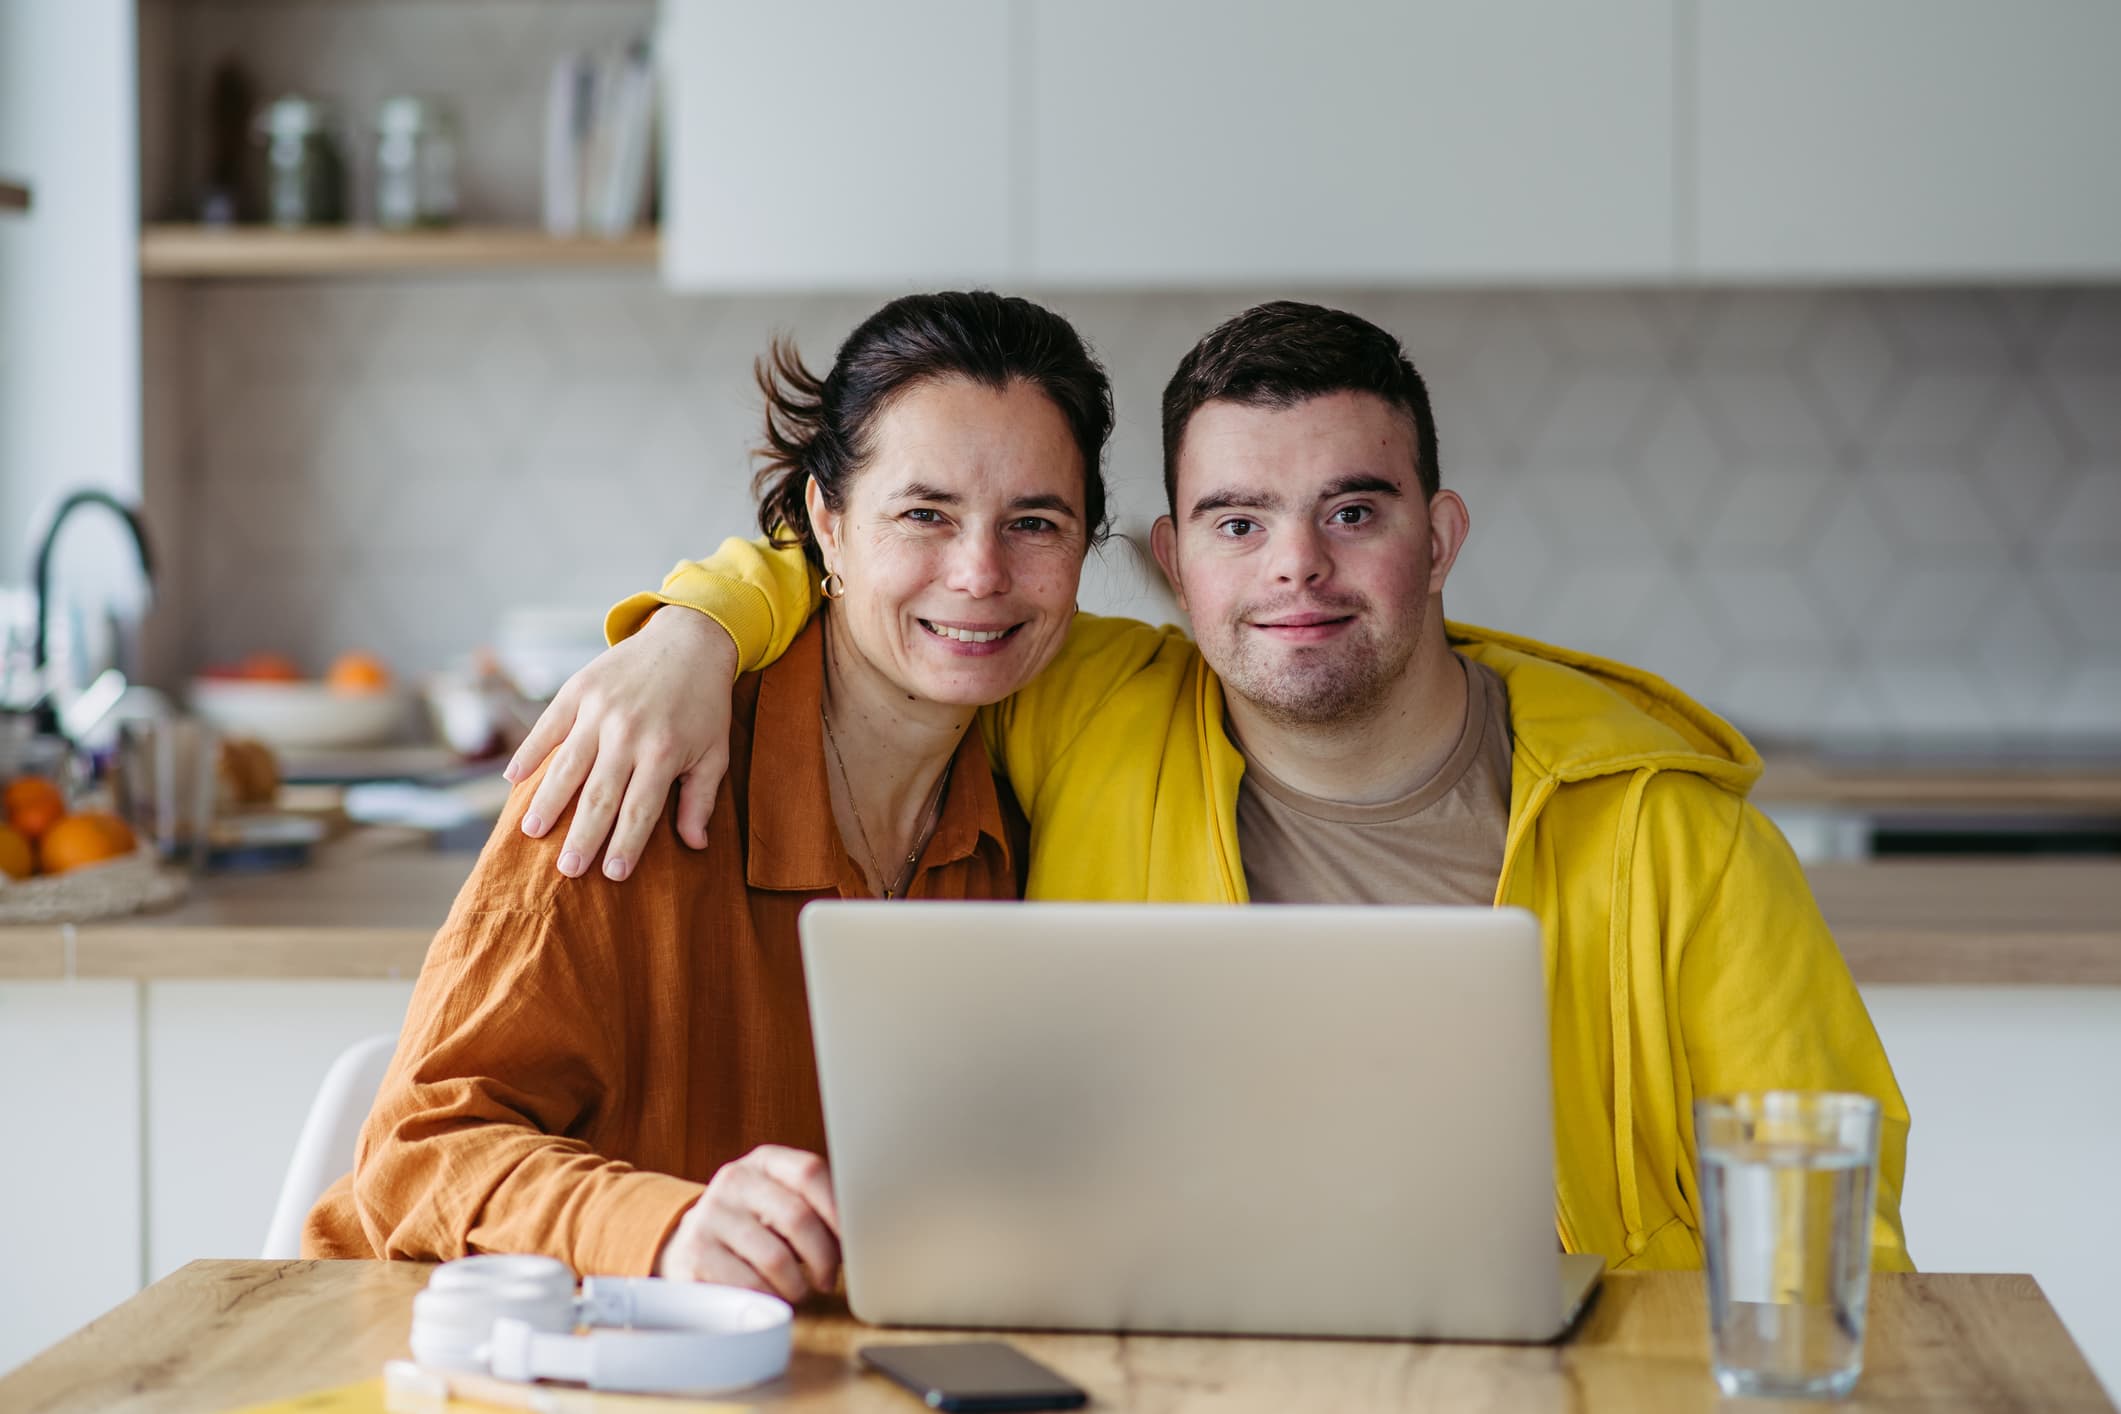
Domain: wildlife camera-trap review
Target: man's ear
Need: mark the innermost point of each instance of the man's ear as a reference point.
(1449, 523)
(1163, 543)
(824, 523)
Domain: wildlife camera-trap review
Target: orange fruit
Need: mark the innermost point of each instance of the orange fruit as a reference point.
(17, 859)
(358, 672)
(33, 804)
(115, 829)
(88, 838)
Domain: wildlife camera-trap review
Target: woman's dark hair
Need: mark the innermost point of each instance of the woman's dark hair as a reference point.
(1280, 354)
(818, 429)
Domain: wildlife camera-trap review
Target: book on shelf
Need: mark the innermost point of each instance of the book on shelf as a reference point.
(599, 142)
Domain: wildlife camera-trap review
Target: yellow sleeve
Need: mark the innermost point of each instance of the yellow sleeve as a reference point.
(760, 592)
(1771, 1006)
(1027, 732)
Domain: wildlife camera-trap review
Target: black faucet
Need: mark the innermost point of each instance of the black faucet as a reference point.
(47, 709)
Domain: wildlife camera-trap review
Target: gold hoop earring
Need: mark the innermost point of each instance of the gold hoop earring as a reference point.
(832, 586)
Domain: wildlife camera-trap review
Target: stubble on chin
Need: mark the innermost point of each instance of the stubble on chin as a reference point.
(1313, 686)
(1304, 687)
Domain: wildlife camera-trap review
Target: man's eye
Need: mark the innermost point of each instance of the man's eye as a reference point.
(925, 515)
(1237, 527)
(1351, 515)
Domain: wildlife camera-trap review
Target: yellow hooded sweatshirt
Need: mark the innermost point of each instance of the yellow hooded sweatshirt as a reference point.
(1685, 955)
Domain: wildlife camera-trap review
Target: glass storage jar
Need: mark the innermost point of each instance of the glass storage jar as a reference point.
(305, 172)
(416, 164)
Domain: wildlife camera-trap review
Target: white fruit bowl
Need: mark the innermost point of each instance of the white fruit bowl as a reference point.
(299, 715)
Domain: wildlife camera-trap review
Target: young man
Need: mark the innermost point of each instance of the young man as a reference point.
(1330, 737)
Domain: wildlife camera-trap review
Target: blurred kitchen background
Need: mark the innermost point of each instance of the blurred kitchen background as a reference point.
(1771, 365)
(1775, 346)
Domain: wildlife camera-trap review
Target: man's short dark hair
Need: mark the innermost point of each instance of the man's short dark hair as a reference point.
(1284, 353)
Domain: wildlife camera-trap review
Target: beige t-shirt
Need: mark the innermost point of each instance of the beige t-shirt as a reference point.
(1440, 843)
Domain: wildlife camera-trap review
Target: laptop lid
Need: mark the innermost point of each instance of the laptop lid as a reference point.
(1330, 1121)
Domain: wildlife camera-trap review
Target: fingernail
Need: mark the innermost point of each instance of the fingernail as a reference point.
(508, 772)
(615, 868)
(571, 864)
(533, 824)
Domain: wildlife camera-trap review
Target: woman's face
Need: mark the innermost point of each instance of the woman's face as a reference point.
(961, 540)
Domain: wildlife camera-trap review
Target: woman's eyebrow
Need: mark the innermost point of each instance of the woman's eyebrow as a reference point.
(1039, 501)
(922, 491)
(1043, 501)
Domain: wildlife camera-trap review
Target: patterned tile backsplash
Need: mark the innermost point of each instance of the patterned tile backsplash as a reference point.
(1822, 512)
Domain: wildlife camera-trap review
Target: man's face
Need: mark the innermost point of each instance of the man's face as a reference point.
(1304, 552)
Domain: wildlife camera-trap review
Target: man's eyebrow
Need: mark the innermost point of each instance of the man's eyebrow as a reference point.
(1360, 483)
(1234, 500)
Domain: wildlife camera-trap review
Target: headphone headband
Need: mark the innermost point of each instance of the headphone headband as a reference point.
(515, 1316)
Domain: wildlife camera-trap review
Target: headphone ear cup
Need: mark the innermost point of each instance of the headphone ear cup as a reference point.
(453, 1318)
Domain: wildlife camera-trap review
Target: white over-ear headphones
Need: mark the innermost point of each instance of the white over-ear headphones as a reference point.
(515, 1317)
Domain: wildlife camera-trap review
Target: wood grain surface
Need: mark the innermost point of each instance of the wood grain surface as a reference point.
(236, 252)
(2063, 790)
(221, 1334)
(1972, 922)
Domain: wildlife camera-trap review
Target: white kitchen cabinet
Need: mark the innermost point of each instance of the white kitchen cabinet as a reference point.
(70, 1173)
(836, 143)
(1908, 139)
(233, 1067)
(1201, 142)
(2015, 1141)
(69, 293)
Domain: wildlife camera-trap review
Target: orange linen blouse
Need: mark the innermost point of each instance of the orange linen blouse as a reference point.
(581, 1056)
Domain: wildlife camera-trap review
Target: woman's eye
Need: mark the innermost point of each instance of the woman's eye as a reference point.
(1237, 527)
(925, 515)
(1035, 525)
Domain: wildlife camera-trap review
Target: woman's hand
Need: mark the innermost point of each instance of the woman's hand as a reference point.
(651, 709)
(767, 1221)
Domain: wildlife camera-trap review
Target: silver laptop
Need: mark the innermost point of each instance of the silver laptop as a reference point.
(1157, 1117)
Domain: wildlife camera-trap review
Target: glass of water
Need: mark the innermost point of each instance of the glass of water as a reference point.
(1788, 1179)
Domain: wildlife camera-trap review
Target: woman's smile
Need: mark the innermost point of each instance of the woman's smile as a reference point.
(970, 639)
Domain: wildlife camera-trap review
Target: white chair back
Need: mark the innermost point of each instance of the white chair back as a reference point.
(326, 1148)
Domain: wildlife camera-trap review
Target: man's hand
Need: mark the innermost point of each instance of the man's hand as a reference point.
(651, 709)
(767, 1221)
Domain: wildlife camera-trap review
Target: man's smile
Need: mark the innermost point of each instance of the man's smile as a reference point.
(1303, 627)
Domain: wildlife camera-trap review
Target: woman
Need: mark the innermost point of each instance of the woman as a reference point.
(622, 1077)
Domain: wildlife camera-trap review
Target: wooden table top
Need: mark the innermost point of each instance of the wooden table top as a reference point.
(216, 1335)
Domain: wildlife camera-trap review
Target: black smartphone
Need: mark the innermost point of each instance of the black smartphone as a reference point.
(974, 1375)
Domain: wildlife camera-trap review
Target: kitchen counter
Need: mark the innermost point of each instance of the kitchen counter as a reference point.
(371, 902)
(365, 908)
(1956, 785)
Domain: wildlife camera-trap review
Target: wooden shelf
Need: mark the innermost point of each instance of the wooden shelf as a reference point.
(252, 252)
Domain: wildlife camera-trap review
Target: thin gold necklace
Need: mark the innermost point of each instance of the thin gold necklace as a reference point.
(920, 837)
